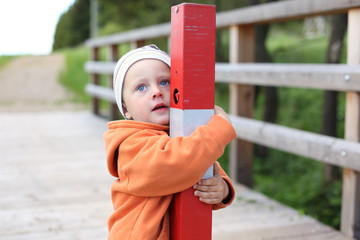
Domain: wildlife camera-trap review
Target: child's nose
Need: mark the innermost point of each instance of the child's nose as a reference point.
(157, 92)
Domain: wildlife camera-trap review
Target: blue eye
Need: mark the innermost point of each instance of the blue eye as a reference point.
(164, 83)
(141, 88)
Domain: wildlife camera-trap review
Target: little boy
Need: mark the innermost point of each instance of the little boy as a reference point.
(151, 166)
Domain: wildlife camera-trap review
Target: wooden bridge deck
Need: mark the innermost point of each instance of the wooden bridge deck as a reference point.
(54, 185)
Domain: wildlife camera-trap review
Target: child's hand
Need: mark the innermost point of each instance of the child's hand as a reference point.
(220, 112)
(212, 190)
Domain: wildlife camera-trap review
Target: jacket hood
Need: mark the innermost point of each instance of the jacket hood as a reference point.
(118, 132)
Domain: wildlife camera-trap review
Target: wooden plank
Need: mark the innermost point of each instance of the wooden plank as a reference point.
(55, 185)
(138, 43)
(99, 67)
(338, 77)
(242, 49)
(100, 92)
(283, 11)
(53, 176)
(155, 31)
(241, 44)
(56, 222)
(350, 203)
(260, 14)
(350, 210)
(113, 108)
(255, 216)
(326, 149)
(95, 79)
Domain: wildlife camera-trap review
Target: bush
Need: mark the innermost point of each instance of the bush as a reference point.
(73, 77)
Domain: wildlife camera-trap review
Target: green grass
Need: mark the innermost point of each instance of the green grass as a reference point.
(73, 77)
(4, 60)
(290, 179)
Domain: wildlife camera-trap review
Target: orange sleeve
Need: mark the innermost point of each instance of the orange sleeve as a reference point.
(153, 165)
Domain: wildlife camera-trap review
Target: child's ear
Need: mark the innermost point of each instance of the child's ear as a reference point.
(126, 113)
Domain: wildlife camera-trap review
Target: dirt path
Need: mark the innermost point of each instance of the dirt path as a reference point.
(30, 84)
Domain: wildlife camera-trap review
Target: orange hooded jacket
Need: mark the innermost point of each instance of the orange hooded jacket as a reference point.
(151, 167)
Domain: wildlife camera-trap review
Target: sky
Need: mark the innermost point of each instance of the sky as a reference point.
(28, 26)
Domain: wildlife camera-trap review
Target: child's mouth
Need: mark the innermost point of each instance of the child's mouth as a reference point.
(160, 106)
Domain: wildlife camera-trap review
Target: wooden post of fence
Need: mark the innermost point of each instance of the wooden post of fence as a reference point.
(113, 108)
(95, 78)
(137, 44)
(242, 49)
(192, 104)
(350, 211)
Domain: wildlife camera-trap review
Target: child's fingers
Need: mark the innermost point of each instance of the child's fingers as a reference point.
(210, 190)
(216, 170)
(205, 188)
(208, 182)
(208, 185)
(220, 112)
(208, 197)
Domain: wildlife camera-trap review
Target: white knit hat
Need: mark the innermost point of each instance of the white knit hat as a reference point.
(125, 62)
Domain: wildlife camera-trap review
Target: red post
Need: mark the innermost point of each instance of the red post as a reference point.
(192, 103)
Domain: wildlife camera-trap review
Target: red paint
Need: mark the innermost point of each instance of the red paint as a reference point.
(193, 55)
(192, 87)
(190, 218)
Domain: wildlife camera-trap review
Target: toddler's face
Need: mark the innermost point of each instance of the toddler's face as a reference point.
(146, 92)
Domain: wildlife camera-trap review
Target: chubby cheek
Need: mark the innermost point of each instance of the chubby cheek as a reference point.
(142, 109)
(167, 98)
(164, 121)
(137, 108)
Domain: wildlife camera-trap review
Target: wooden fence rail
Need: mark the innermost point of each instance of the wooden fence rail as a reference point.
(338, 77)
(325, 149)
(260, 14)
(242, 75)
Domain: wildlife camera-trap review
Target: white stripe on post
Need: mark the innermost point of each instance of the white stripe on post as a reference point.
(184, 122)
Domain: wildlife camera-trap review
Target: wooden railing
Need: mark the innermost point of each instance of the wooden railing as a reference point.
(242, 75)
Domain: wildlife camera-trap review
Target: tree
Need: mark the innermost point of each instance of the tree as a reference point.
(329, 118)
(61, 39)
(73, 27)
(262, 55)
(122, 15)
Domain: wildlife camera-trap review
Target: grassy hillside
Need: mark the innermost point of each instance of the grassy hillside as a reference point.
(5, 60)
(73, 76)
(293, 180)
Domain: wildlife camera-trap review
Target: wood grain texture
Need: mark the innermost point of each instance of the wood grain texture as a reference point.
(350, 207)
(55, 185)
